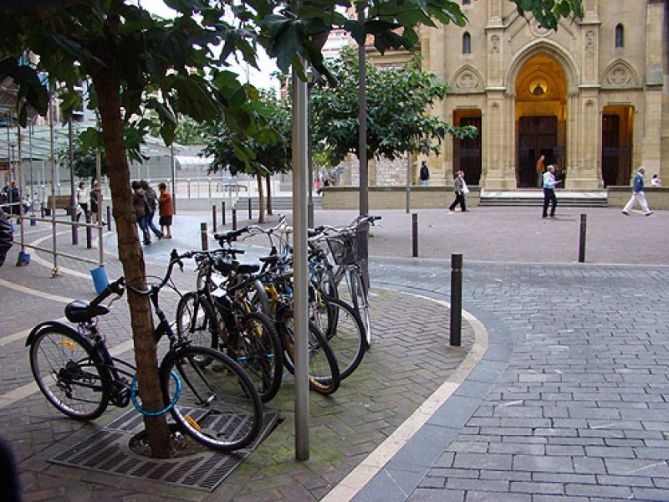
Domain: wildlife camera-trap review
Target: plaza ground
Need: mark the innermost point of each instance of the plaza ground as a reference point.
(559, 391)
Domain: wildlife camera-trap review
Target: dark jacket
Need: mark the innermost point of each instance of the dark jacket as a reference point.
(638, 183)
(151, 199)
(458, 186)
(424, 173)
(6, 236)
(139, 202)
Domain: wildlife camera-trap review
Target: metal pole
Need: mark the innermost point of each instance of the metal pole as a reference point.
(52, 165)
(89, 238)
(223, 213)
(109, 218)
(456, 299)
(20, 170)
(250, 209)
(310, 160)
(362, 144)
(408, 182)
(300, 277)
(414, 235)
(234, 218)
(213, 217)
(174, 188)
(73, 200)
(203, 236)
(98, 195)
(31, 127)
(581, 239)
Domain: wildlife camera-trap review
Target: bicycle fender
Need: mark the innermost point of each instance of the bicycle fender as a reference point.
(49, 324)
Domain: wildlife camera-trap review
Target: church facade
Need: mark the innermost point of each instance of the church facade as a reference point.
(592, 97)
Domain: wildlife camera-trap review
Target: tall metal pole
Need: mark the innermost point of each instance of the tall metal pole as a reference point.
(52, 166)
(31, 130)
(98, 195)
(362, 143)
(73, 200)
(408, 182)
(174, 189)
(300, 275)
(20, 182)
(310, 170)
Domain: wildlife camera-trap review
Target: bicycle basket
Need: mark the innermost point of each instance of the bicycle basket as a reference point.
(343, 248)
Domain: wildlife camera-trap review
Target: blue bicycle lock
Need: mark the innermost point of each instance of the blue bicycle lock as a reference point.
(138, 407)
(100, 279)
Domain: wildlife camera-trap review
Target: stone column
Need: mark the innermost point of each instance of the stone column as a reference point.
(586, 172)
(499, 173)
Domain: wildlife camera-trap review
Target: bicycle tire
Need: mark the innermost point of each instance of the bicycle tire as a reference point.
(361, 304)
(218, 406)
(343, 330)
(259, 353)
(194, 323)
(76, 383)
(324, 375)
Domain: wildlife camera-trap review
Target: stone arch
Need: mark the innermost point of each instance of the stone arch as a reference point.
(547, 47)
(466, 80)
(620, 75)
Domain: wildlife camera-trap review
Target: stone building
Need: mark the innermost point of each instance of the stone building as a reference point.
(592, 97)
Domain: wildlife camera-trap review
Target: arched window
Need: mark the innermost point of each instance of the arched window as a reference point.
(620, 36)
(466, 43)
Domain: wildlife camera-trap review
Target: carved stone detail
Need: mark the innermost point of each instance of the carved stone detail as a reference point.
(620, 74)
(590, 40)
(494, 44)
(467, 79)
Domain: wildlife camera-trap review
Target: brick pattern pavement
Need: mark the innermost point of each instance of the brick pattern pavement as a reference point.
(409, 360)
(581, 411)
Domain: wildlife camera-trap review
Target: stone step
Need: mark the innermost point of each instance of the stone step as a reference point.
(536, 198)
(279, 202)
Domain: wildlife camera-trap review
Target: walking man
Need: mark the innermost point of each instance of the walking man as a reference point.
(459, 188)
(424, 174)
(638, 194)
(549, 191)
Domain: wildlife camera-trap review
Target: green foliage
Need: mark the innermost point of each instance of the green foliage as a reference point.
(397, 101)
(266, 150)
(83, 152)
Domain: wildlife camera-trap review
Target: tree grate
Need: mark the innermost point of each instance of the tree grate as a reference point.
(107, 451)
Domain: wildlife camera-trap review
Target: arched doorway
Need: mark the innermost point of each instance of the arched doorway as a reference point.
(541, 118)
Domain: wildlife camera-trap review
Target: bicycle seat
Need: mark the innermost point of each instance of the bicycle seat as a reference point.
(82, 311)
(226, 267)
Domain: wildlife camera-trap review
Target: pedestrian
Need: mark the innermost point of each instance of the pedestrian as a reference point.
(166, 209)
(152, 206)
(549, 191)
(638, 194)
(14, 199)
(424, 174)
(655, 182)
(540, 170)
(6, 236)
(95, 202)
(82, 201)
(139, 203)
(459, 188)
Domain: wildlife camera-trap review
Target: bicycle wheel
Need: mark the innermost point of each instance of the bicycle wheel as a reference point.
(361, 303)
(69, 374)
(259, 353)
(343, 330)
(194, 323)
(324, 375)
(218, 406)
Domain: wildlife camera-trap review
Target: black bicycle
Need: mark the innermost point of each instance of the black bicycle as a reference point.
(218, 405)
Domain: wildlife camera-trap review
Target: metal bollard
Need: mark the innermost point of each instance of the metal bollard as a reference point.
(89, 237)
(234, 218)
(223, 213)
(456, 299)
(581, 238)
(75, 227)
(213, 218)
(41, 209)
(250, 210)
(109, 218)
(203, 236)
(414, 234)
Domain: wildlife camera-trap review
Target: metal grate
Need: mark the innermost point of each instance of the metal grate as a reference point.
(107, 451)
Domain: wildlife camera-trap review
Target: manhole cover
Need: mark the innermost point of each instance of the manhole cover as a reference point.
(107, 450)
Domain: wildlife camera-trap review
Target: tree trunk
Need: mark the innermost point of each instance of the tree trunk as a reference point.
(268, 183)
(261, 200)
(132, 258)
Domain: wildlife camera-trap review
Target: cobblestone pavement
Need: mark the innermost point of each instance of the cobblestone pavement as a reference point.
(579, 410)
(409, 360)
(569, 402)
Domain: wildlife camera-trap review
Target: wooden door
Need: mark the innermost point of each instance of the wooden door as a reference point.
(536, 136)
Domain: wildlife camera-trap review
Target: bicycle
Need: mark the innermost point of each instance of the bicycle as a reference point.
(347, 249)
(222, 316)
(218, 405)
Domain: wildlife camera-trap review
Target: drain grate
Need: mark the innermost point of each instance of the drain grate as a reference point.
(107, 451)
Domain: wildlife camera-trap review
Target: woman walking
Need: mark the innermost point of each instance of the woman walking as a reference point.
(166, 210)
(151, 206)
(139, 202)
